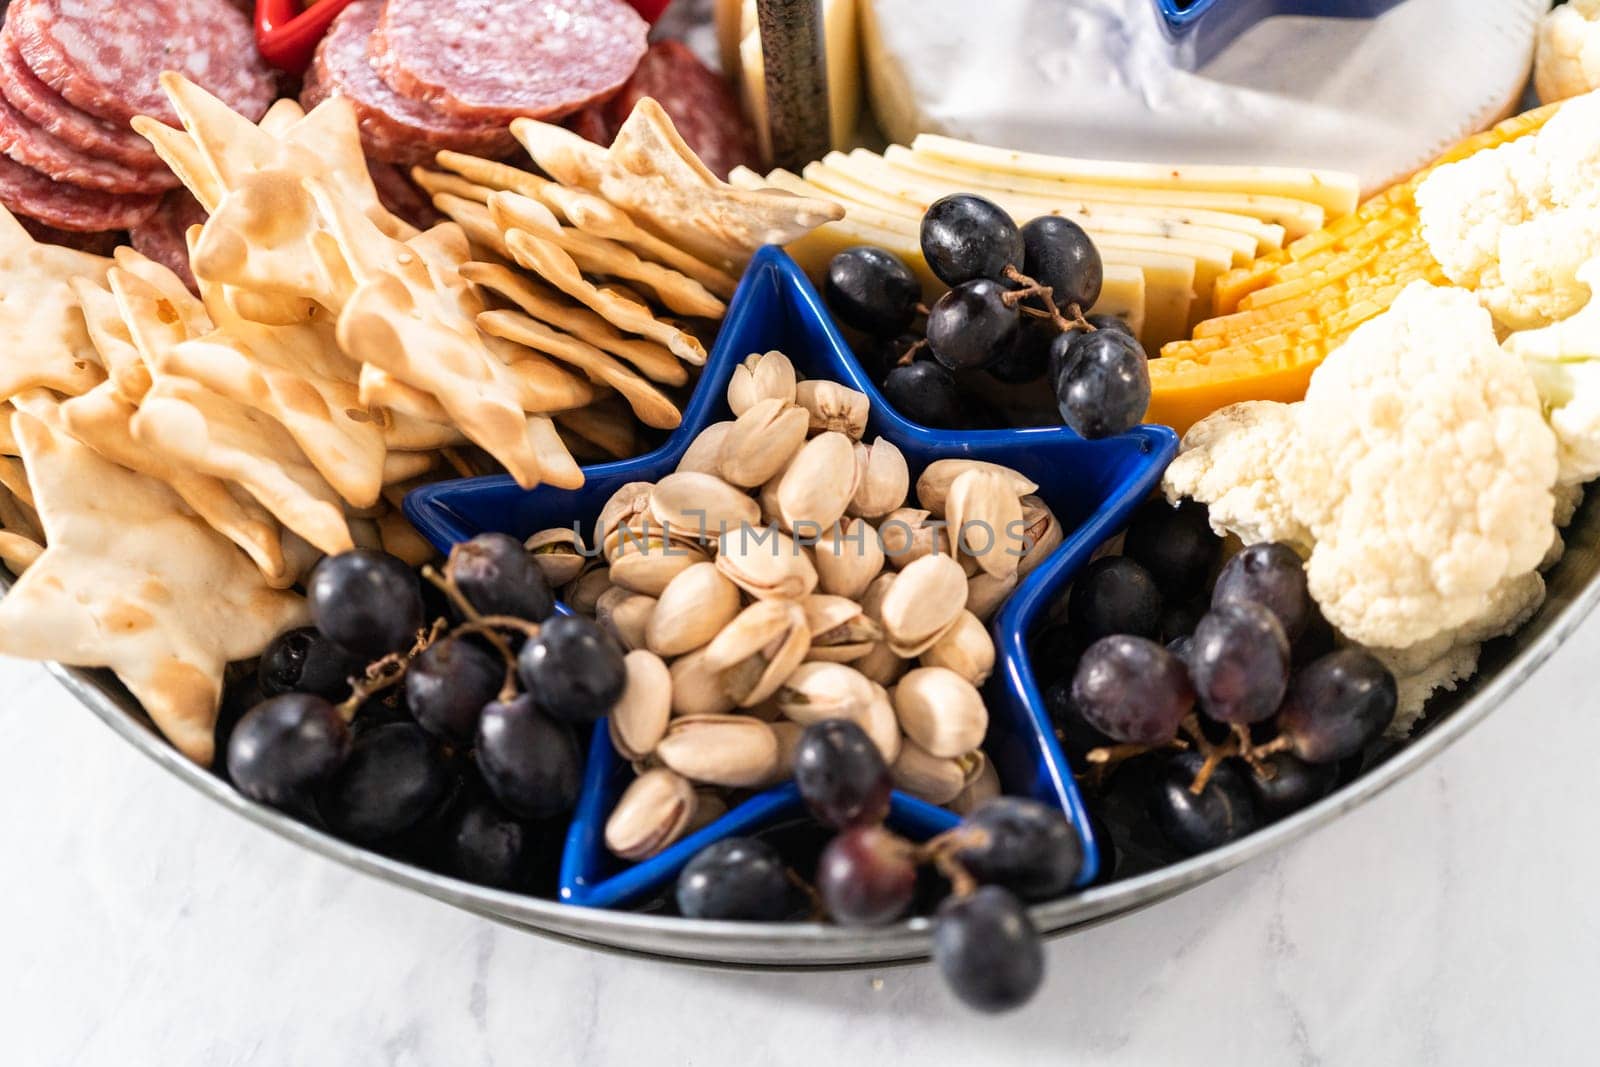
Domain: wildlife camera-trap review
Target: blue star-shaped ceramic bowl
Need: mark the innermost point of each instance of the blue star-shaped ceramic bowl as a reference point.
(1199, 29)
(1092, 486)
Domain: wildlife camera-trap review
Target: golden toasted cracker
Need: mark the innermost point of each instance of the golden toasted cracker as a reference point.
(183, 157)
(597, 255)
(130, 580)
(8, 442)
(43, 339)
(556, 267)
(474, 220)
(652, 359)
(608, 427)
(18, 552)
(651, 174)
(281, 116)
(436, 183)
(15, 480)
(266, 236)
(405, 467)
(399, 538)
(269, 308)
(110, 336)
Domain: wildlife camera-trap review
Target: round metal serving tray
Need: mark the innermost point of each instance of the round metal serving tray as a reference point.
(1574, 587)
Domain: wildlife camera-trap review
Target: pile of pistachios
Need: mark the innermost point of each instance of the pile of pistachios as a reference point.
(778, 578)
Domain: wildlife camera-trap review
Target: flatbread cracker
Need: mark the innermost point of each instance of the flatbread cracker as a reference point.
(18, 552)
(46, 342)
(611, 429)
(111, 339)
(475, 222)
(130, 580)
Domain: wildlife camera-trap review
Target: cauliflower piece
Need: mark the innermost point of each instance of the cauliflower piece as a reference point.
(1228, 461)
(1422, 467)
(1567, 59)
(1564, 360)
(1516, 222)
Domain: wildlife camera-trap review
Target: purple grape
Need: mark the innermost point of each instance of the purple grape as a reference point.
(924, 392)
(735, 878)
(988, 950)
(286, 748)
(304, 661)
(1239, 661)
(1224, 811)
(391, 780)
(367, 601)
(1270, 574)
(1024, 845)
(1175, 544)
(1104, 385)
(573, 669)
(1058, 253)
(1114, 595)
(529, 762)
(1294, 784)
(965, 237)
(841, 774)
(866, 876)
(447, 686)
(972, 326)
(1336, 705)
(1132, 690)
(499, 577)
(871, 290)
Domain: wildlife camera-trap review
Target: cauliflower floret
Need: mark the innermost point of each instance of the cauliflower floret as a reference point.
(1567, 62)
(1228, 461)
(1516, 222)
(1564, 360)
(1422, 467)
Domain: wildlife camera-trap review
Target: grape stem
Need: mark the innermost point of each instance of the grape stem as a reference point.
(389, 671)
(1214, 754)
(909, 356)
(481, 624)
(819, 912)
(941, 852)
(1253, 755)
(1031, 287)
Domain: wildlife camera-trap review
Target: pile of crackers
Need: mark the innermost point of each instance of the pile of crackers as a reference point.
(174, 463)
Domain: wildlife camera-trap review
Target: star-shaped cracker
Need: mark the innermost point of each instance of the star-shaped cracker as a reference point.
(131, 580)
(46, 343)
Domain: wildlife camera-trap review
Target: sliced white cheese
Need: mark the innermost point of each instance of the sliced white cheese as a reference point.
(841, 55)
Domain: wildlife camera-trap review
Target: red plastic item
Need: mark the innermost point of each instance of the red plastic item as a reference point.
(287, 34)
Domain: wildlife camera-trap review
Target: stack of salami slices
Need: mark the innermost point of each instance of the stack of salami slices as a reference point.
(73, 73)
(425, 75)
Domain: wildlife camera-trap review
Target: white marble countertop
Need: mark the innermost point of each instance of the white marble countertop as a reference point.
(1451, 921)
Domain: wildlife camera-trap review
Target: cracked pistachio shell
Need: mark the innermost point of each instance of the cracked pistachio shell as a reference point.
(766, 711)
(696, 688)
(848, 558)
(881, 665)
(985, 519)
(1042, 534)
(585, 590)
(638, 720)
(985, 593)
(933, 485)
(630, 619)
(984, 787)
(693, 505)
(759, 649)
(765, 563)
(767, 498)
(647, 565)
(693, 608)
(762, 376)
(882, 479)
(941, 711)
(928, 777)
(655, 810)
(910, 534)
(877, 590)
(704, 454)
(818, 691)
(709, 806)
(558, 553)
(727, 750)
(882, 725)
(840, 630)
(833, 407)
(925, 600)
(606, 603)
(817, 486)
(628, 506)
(965, 648)
(761, 443)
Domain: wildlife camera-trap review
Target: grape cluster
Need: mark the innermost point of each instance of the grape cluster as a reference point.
(1238, 695)
(1014, 311)
(452, 744)
(1008, 851)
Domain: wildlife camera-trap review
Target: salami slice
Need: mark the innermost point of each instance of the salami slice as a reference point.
(27, 192)
(493, 61)
(393, 128)
(50, 111)
(95, 242)
(33, 147)
(163, 236)
(106, 56)
(699, 102)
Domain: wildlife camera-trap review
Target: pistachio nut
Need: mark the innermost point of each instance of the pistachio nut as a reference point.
(882, 479)
(909, 534)
(789, 734)
(985, 593)
(628, 506)
(558, 553)
(765, 563)
(1041, 534)
(630, 619)
(696, 688)
(818, 691)
(762, 442)
(848, 558)
(728, 750)
(654, 811)
(882, 725)
(759, 649)
(933, 485)
(941, 711)
(965, 648)
(877, 590)
(762, 376)
(695, 505)
(767, 498)
(926, 776)
(647, 564)
(985, 518)
(607, 602)
(704, 454)
(881, 665)
(984, 787)
(638, 720)
(693, 607)
(818, 485)
(709, 806)
(840, 630)
(925, 600)
(833, 407)
(766, 711)
(586, 588)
